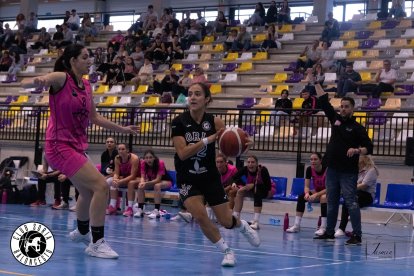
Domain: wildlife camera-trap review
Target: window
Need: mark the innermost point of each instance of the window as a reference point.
(121, 22)
(351, 9)
(338, 13)
(304, 11)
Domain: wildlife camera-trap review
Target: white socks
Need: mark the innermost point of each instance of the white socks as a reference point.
(112, 202)
(323, 222)
(256, 217)
(298, 220)
(130, 203)
(222, 245)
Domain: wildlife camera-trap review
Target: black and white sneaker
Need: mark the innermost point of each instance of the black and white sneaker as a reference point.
(354, 240)
(325, 237)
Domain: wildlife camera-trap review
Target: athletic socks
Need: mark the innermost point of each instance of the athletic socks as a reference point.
(83, 226)
(222, 245)
(97, 233)
(130, 203)
(113, 202)
(323, 222)
(298, 220)
(256, 217)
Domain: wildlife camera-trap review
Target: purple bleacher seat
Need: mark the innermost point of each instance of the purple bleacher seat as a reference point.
(403, 90)
(390, 24)
(363, 34)
(10, 78)
(366, 44)
(295, 78)
(250, 129)
(188, 66)
(229, 67)
(345, 26)
(247, 103)
(372, 104)
(291, 67)
(93, 78)
(378, 118)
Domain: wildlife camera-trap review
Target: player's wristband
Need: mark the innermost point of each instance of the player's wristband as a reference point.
(205, 141)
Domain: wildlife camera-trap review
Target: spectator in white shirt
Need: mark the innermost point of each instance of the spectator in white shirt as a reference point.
(73, 21)
(385, 78)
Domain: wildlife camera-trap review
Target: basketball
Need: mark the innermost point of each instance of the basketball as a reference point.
(232, 142)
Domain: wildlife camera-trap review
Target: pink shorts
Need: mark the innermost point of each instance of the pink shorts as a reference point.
(64, 158)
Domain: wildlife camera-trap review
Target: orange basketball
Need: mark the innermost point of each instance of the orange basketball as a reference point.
(232, 142)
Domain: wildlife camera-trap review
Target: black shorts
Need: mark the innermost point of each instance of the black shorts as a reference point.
(212, 190)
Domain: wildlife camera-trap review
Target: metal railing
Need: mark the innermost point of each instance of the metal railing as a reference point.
(296, 132)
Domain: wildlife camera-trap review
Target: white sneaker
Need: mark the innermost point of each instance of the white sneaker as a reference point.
(139, 213)
(254, 225)
(293, 229)
(76, 236)
(320, 231)
(101, 249)
(339, 233)
(251, 235)
(176, 218)
(229, 259)
(73, 208)
(154, 214)
(186, 216)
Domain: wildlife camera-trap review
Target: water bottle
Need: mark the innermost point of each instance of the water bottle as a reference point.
(4, 197)
(286, 222)
(274, 221)
(310, 208)
(319, 222)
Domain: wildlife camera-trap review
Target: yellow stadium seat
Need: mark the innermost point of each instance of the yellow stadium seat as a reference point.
(352, 44)
(376, 64)
(20, 100)
(370, 132)
(286, 28)
(374, 25)
(360, 117)
(365, 76)
(215, 88)
(278, 90)
(372, 53)
(207, 48)
(231, 57)
(177, 66)
(297, 103)
(400, 42)
(103, 88)
(378, 34)
(279, 77)
(411, 44)
(109, 101)
(141, 89)
(152, 100)
(244, 67)
(145, 127)
(348, 35)
(259, 38)
(263, 118)
(355, 54)
(13, 111)
(260, 56)
(208, 39)
(218, 48)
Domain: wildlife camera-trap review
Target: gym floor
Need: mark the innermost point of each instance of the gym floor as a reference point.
(164, 247)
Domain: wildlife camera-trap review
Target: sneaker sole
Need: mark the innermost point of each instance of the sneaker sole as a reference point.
(96, 255)
(354, 244)
(228, 265)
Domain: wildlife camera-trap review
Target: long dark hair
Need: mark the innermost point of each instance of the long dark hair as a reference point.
(62, 64)
(155, 164)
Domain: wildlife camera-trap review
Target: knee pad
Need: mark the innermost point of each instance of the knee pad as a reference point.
(234, 223)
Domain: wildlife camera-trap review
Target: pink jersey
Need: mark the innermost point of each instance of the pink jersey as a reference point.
(149, 175)
(69, 114)
(227, 178)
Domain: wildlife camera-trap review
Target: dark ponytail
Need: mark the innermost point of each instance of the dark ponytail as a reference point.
(62, 64)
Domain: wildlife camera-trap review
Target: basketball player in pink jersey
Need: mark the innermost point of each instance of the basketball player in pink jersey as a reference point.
(71, 110)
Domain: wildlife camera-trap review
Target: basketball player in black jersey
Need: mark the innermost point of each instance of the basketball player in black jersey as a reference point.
(194, 134)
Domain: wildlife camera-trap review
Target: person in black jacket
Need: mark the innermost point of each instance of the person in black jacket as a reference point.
(271, 14)
(349, 139)
(283, 107)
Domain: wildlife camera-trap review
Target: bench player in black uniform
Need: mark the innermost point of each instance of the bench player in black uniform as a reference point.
(194, 134)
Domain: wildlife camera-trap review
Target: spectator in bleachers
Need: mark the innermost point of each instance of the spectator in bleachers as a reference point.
(171, 28)
(284, 13)
(314, 75)
(181, 30)
(117, 40)
(183, 84)
(366, 188)
(153, 176)
(201, 23)
(16, 65)
(175, 51)
(157, 51)
(108, 158)
(199, 76)
(231, 37)
(46, 175)
(349, 81)
(144, 73)
(327, 57)
(18, 44)
(5, 61)
(312, 193)
(309, 57)
(130, 70)
(220, 24)
(67, 16)
(227, 172)
(122, 53)
(20, 21)
(127, 168)
(258, 17)
(242, 41)
(283, 106)
(115, 73)
(270, 41)
(158, 30)
(397, 10)
(43, 40)
(138, 56)
(99, 58)
(150, 19)
(67, 35)
(31, 24)
(57, 37)
(73, 21)
(187, 19)
(191, 35)
(167, 83)
(271, 14)
(331, 30)
(86, 30)
(252, 180)
(385, 78)
(166, 16)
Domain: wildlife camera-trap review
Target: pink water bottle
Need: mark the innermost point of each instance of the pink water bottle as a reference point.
(319, 221)
(4, 197)
(286, 222)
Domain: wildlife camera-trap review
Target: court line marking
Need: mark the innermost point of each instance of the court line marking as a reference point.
(14, 273)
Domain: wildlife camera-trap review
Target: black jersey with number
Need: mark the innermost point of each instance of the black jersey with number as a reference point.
(201, 166)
